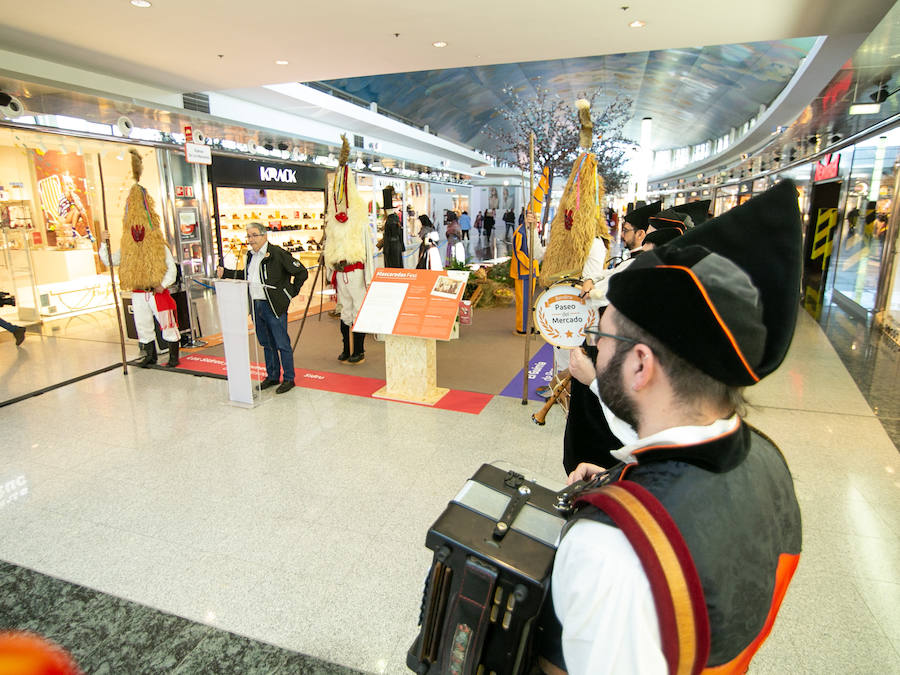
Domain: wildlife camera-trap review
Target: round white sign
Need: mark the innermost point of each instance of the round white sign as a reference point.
(561, 314)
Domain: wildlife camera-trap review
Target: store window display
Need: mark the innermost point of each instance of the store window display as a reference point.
(51, 196)
(865, 220)
(293, 219)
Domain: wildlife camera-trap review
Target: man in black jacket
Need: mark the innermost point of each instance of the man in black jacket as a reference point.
(275, 277)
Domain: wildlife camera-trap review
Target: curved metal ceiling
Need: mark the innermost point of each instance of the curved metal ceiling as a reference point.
(692, 94)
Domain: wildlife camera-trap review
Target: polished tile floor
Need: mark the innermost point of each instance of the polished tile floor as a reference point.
(301, 523)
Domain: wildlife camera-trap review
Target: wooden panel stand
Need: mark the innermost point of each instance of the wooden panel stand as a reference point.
(411, 370)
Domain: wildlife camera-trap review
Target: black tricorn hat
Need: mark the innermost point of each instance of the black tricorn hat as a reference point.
(732, 287)
(638, 217)
(670, 219)
(698, 211)
(387, 194)
(663, 236)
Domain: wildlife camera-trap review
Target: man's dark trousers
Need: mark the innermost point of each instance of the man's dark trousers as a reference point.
(271, 331)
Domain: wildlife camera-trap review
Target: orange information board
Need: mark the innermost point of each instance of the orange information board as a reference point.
(412, 303)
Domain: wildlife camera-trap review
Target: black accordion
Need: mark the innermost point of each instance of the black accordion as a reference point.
(493, 547)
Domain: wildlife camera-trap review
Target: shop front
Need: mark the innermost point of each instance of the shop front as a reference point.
(57, 194)
(289, 199)
(863, 228)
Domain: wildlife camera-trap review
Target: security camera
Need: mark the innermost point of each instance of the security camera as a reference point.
(10, 106)
(199, 137)
(125, 126)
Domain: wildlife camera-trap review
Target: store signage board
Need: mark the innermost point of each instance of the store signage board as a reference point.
(828, 168)
(273, 174)
(195, 153)
(251, 173)
(411, 303)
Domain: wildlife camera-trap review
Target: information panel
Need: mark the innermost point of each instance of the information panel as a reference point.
(413, 303)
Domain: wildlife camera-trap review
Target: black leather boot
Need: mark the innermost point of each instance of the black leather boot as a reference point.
(345, 334)
(149, 351)
(359, 348)
(173, 354)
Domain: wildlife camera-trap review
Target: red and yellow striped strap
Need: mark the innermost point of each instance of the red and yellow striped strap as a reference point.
(667, 562)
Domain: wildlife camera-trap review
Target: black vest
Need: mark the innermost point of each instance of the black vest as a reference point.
(733, 500)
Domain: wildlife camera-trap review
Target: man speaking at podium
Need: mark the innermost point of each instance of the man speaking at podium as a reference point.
(275, 277)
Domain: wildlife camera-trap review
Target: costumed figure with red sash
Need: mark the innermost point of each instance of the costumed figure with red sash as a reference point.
(578, 247)
(348, 252)
(146, 268)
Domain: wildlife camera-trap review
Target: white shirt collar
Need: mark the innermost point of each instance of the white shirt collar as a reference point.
(688, 435)
(262, 250)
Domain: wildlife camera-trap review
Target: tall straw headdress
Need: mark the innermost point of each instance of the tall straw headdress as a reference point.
(578, 220)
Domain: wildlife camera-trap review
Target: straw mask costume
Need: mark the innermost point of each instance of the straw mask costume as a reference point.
(579, 220)
(348, 252)
(146, 268)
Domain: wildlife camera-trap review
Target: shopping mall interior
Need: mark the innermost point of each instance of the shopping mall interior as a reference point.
(157, 519)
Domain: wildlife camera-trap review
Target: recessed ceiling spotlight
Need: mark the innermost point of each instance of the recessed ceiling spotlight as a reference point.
(143, 4)
(439, 43)
(637, 23)
(281, 62)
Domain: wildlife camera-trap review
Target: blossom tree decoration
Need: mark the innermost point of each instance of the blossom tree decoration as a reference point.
(554, 122)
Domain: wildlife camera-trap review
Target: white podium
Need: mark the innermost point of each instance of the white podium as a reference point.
(241, 352)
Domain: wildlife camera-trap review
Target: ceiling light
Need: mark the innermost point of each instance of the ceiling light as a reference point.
(281, 62)
(865, 108)
(143, 4)
(439, 44)
(637, 23)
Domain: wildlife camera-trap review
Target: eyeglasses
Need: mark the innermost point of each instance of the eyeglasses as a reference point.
(627, 229)
(593, 335)
(250, 235)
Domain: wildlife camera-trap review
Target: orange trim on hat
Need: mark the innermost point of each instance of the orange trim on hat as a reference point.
(715, 312)
(679, 224)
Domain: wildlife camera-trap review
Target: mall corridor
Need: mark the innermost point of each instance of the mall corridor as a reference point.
(290, 538)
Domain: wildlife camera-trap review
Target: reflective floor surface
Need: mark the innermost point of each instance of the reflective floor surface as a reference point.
(301, 523)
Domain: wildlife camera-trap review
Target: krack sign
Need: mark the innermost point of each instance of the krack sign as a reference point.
(247, 173)
(272, 174)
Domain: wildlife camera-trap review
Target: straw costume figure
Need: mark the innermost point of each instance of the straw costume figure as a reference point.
(348, 252)
(578, 221)
(146, 268)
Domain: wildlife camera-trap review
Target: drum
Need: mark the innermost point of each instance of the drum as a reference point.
(561, 314)
(493, 555)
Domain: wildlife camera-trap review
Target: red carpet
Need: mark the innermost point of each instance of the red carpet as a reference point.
(339, 383)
